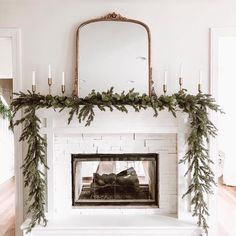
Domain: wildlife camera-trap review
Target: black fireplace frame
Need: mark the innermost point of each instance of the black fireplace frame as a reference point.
(129, 156)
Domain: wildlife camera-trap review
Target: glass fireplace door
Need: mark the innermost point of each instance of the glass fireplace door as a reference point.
(114, 179)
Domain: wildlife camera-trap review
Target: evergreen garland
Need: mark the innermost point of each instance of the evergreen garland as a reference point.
(34, 162)
(197, 156)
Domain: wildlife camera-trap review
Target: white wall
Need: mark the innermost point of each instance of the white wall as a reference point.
(180, 33)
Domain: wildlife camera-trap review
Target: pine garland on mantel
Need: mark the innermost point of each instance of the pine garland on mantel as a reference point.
(197, 156)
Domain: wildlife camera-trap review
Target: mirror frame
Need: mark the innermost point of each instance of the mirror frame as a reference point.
(112, 17)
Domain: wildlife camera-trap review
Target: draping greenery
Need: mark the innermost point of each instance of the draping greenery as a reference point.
(197, 156)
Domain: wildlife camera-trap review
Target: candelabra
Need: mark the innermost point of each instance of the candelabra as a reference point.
(153, 92)
(164, 88)
(49, 85)
(199, 88)
(63, 88)
(33, 88)
(180, 83)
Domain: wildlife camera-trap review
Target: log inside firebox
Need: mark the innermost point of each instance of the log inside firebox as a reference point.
(124, 182)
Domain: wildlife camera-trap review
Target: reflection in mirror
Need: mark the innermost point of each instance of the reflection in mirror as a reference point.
(113, 54)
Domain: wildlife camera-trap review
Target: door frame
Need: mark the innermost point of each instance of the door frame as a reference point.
(215, 35)
(15, 35)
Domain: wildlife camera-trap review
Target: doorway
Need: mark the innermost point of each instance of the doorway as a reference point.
(11, 189)
(7, 173)
(223, 83)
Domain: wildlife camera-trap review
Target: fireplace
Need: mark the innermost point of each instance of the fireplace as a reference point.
(88, 145)
(114, 179)
(138, 133)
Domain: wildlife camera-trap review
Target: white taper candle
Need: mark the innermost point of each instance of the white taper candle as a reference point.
(33, 77)
(63, 78)
(165, 77)
(49, 72)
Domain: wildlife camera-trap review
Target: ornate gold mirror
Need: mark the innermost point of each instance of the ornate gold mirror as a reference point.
(113, 51)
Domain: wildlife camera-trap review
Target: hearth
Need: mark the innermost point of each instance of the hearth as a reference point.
(114, 179)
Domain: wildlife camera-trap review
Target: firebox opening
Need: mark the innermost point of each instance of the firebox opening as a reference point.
(115, 179)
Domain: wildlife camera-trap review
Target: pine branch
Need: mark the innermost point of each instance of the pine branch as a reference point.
(197, 156)
(35, 160)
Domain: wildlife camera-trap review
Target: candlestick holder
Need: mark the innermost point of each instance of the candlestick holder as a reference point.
(180, 83)
(164, 89)
(49, 85)
(63, 88)
(153, 92)
(199, 88)
(33, 88)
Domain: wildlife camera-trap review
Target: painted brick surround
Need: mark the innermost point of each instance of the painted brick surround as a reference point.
(163, 144)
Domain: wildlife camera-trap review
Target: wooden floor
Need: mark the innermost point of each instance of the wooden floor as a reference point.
(226, 210)
(7, 208)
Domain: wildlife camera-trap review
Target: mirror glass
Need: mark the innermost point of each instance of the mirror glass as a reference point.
(113, 54)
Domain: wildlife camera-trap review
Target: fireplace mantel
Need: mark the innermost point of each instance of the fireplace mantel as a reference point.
(55, 124)
(114, 122)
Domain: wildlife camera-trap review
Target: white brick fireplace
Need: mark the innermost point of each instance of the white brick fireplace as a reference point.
(117, 133)
(163, 144)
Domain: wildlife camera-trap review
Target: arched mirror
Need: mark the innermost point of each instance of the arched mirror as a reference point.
(113, 51)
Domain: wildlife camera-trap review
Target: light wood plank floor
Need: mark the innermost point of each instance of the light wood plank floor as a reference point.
(7, 208)
(226, 209)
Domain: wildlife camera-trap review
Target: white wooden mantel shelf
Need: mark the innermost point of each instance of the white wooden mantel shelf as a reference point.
(138, 225)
